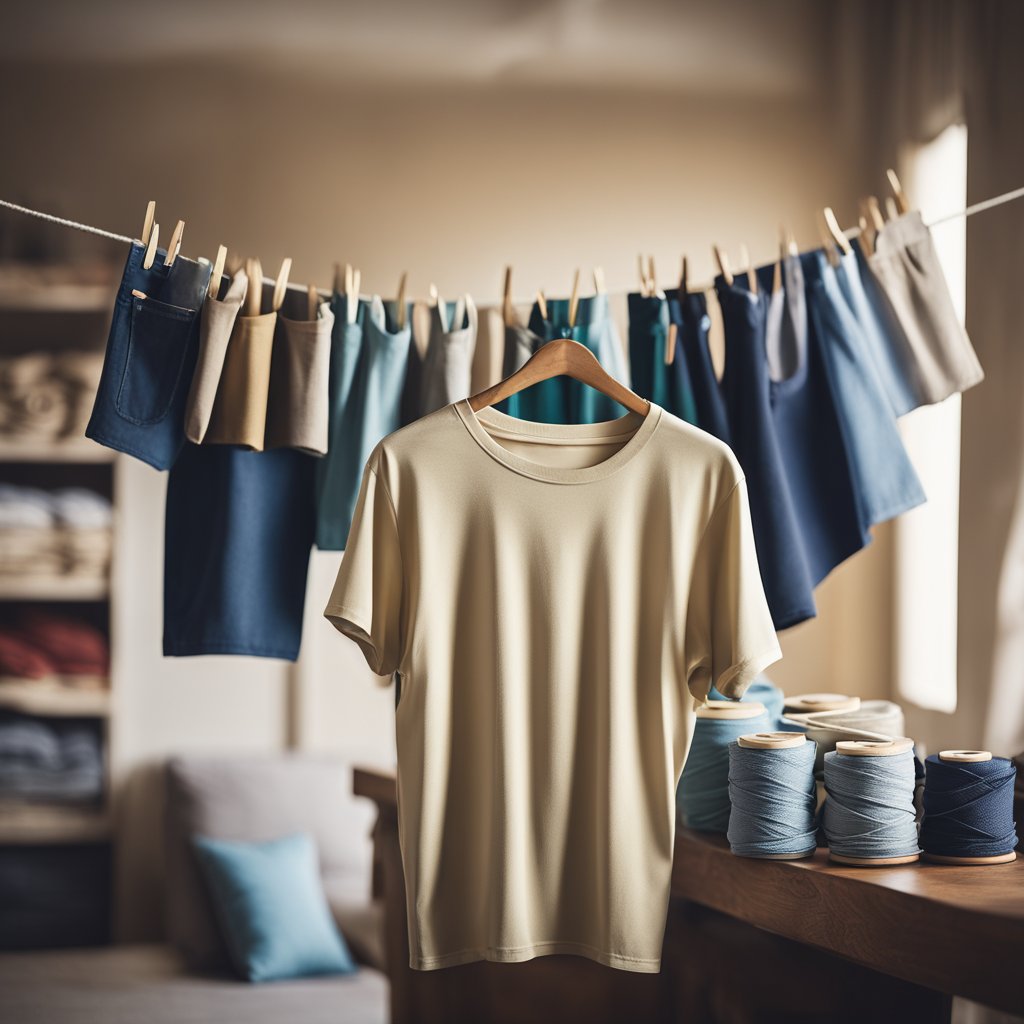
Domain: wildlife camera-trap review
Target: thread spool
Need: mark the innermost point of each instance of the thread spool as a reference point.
(968, 808)
(773, 796)
(869, 816)
(702, 798)
(762, 691)
(831, 718)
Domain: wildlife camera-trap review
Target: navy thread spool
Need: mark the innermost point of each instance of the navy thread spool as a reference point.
(702, 798)
(773, 796)
(968, 808)
(869, 817)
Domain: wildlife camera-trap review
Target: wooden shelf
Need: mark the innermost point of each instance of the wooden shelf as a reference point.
(53, 698)
(77, 450)
(56, 289)
(51, 823)
(54, 588)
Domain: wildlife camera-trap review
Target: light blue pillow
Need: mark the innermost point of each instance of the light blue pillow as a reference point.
(271, 907)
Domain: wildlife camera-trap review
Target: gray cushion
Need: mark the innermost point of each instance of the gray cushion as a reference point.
(251, 799)
(148, 985)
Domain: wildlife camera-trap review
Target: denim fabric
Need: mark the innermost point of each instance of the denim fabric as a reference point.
(667, 385)
(877, 326)
(746, 393)
(885, 484)
(237, 536)
(596, 330)
(374, 410)
(691, 317)
(335, 472)
(806, 422)
(150, 358)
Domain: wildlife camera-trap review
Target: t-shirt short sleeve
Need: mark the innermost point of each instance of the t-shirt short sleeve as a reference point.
(366, 602)
(729, 634)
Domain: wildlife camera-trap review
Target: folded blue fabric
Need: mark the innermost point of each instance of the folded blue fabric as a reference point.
(271, 907)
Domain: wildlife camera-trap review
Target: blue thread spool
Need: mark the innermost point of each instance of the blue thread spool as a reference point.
(702, 798)
(968, 808)
(869, 817)
(763, 691)
(773, 796)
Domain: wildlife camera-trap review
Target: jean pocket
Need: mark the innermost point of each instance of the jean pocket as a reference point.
(158, 341)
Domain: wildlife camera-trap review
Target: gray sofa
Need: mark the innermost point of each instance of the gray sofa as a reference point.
(187, 980)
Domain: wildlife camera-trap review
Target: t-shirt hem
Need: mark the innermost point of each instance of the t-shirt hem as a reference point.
(518, 954)
(188, 648)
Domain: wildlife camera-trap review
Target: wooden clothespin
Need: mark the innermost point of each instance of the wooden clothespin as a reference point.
(652, 277)
(902, 202)
(723, 264)
(460, 312)
(174, 245)
(433, 293)
(751, 276)
(574, 299)
(836, 231)
(151, 247)
(542, 303)
(336, 285)
(254, 293)
(777, 272)
(828, 243)
(147, 224)
(684, 278)
(312, 302)
(892, 211)
(353, 279)
(281, 284)
(218, 271)
(400, 310)
(599, 288)
(508, 313)
(671, 335)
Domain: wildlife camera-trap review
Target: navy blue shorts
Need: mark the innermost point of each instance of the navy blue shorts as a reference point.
(150, 358)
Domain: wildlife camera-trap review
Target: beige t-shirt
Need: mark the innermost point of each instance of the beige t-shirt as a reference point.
(547, 594)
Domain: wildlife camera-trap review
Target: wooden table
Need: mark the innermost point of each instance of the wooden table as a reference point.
(747, 940)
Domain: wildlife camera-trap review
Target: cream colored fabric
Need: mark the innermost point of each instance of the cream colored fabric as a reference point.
(240, 411)
(216, 323)
(547, 594)
(297, 409)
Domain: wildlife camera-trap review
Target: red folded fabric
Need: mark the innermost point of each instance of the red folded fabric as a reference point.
(73, 647)
(22, 659)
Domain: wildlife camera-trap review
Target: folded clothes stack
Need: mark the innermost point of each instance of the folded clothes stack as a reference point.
(50, 759)
(54, 533)
(46, 397)
(41, 645)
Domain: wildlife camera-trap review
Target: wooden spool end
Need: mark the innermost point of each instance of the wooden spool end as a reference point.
(875, 748)
(722, 709)
(868, 862)
(782, 856)
(999, 858)
(815, 703)
(772, 740)
(965, 756)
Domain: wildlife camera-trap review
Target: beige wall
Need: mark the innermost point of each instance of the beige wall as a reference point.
(449, 185)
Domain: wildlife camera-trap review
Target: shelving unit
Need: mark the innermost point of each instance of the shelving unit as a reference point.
(58, 309)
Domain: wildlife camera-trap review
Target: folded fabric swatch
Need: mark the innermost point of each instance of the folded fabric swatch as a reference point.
(50, 759)
(21, 659)
(71, 646)
(25, 507)
(80, 508)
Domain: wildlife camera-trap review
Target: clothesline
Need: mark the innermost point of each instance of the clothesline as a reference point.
(968, 211)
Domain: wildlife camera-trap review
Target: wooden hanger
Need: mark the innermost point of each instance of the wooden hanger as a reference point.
(723, 264)
(174, 245)
(218, 272)
(254, 294)
(902, 202)
(557, 358)
(751, 276)
(574, 299)
(147, 224)
(154, 241)
(281, 284)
